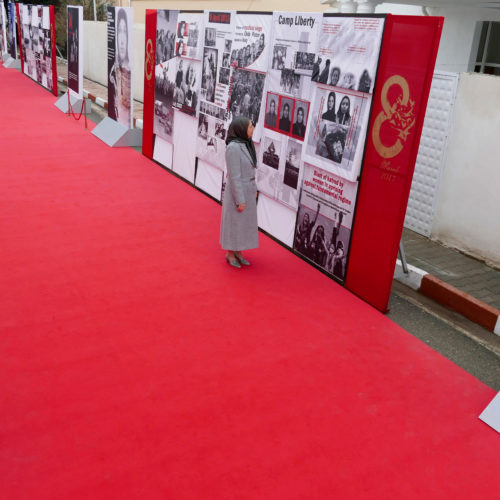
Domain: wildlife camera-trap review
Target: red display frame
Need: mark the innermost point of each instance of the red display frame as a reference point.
(406, 68)
(52, 13)
(149, 84)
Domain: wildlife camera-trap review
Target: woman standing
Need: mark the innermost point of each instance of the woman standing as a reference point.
(239, 208)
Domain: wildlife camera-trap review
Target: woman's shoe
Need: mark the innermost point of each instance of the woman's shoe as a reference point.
(233, 262)
(242, 259)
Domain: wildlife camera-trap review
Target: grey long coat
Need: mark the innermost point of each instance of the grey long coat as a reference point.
(239, 230)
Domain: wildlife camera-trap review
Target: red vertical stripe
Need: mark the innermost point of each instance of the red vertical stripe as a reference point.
(404, 78)
(149, 84)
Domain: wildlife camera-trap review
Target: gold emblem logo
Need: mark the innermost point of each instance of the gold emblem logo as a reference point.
(400, 115)
(149, 59)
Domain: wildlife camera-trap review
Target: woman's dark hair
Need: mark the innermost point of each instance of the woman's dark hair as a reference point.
(334, 100)
(238, 132)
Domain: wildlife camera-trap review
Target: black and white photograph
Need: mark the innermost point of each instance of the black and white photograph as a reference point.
(246, 95)
(324, 220)
(293, 157)
(210, 36)
(212, 110)
(300, 115)
(227, 45)
(180, 48)
(245, 57)
(285, 115)
(209, 76)
(323, 71)
(348, 52)
(166, 30)
(165, 76)
(193, 35)
(295, 34)
(182, 29)
(271, 150)
(188, 32)
(279, 57)
(322, 240)
(289, 82)
(331, 141)
(120, 50)
(337, 119)
(225, 60)
(272, 102)
(224, 74)
(186, 87)
(250, 47)
(304, 61)
(210, 142)
(279, 168)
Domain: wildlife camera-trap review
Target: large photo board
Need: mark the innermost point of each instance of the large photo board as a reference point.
(120, 64)
(75, 50)
(12, 32)
(324, 220)
(39, 45)
(215, 86)
(165, 73)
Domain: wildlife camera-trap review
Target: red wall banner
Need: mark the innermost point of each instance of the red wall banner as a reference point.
(149, 84)
(406, 67)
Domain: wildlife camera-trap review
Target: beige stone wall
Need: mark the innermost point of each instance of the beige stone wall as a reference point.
(140, 6)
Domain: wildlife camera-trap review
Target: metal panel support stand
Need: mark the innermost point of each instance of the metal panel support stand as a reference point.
(115, 134)
(76, 104)
(12, 63)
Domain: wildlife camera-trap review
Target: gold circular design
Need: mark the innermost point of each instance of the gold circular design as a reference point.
(383, 150)
(149, 59)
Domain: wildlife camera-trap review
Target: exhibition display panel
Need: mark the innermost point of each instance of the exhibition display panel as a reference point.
(338, 102)
(38, 44)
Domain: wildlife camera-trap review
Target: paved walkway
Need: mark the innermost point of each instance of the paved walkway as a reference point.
(451, 266)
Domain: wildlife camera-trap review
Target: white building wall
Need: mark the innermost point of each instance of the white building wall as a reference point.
(95, 59)
(468, 212)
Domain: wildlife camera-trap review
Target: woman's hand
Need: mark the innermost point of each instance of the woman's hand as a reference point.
(241, 207)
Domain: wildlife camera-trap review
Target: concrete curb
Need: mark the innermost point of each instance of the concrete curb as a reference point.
(449, 296)
(99, 101)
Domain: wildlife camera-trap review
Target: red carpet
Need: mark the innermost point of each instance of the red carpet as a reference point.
(137, 364)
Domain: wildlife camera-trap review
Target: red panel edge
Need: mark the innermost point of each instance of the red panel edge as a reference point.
(404, 78)
(149, 84)
(20, 38)
(53, 38)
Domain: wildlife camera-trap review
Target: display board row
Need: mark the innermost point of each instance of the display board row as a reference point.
(305, 80)
(38, 44)
(309, 81)
(338, 102)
